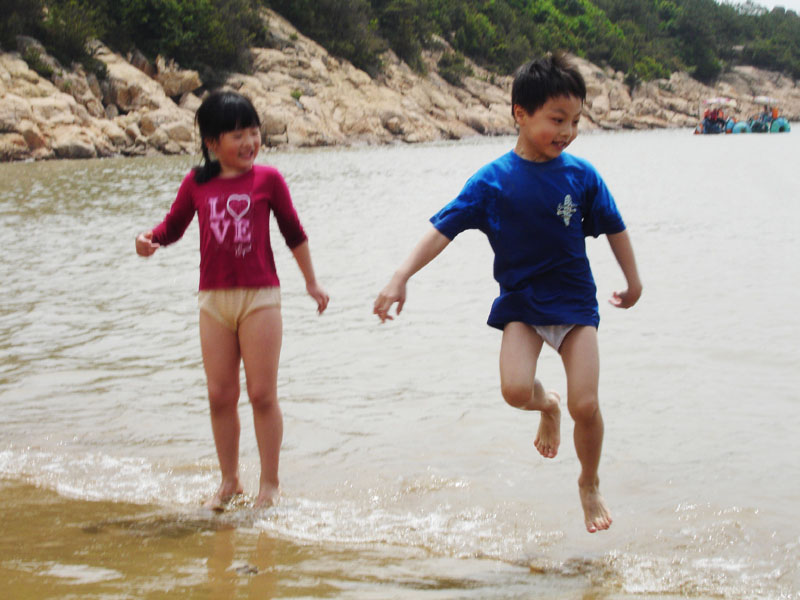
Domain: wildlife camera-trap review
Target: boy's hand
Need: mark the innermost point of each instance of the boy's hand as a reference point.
(395, 291)
(145, 245)
(625, 299)
(316, 291)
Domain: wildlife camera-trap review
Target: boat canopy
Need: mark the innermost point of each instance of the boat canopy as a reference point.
(765, 100)
(719, 101)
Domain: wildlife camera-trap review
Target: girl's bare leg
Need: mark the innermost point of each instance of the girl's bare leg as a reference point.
(260, 335)
(519, 354)
(220, 347)
(580, 355)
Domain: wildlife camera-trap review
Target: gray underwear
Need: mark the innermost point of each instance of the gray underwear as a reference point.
(553, 334)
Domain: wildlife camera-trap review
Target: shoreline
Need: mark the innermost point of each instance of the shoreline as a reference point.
(196, 156)
(308, 98)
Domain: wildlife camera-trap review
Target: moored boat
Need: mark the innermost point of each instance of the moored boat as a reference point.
(715, 120)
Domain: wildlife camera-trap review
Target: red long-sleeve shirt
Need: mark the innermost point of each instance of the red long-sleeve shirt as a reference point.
(233, 214)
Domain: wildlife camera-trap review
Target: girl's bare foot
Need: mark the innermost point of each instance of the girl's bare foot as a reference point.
(595, 512)
(225, 493)
(548, 437)
(267, 496)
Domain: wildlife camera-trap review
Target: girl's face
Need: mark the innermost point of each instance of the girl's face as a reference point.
(236, 150)
(546, 133)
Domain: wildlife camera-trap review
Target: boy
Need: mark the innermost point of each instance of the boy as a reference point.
(536, 204)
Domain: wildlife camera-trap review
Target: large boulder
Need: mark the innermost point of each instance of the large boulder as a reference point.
(129, 89)
(177, 82)
(13, 147)
(71, 141)
(13, 109)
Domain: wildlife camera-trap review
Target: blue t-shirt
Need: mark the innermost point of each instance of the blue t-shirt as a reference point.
(536, 216)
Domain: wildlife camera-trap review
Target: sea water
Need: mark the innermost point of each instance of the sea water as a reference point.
(404, 473)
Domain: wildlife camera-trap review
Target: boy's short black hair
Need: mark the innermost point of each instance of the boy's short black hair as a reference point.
(551, 76)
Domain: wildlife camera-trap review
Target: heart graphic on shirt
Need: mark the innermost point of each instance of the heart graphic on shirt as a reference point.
(238, 205)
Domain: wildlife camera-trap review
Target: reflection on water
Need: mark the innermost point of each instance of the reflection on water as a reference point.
(404, 473)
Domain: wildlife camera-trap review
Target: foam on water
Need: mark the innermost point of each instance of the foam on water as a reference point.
(97, 476)
(711, 555)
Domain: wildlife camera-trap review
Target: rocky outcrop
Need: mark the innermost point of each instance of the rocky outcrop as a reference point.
(72, 115)
(677, 101)
(306, 97)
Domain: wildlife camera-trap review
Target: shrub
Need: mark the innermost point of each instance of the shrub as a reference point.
(19, 17)
(33, 57)
(453, 68)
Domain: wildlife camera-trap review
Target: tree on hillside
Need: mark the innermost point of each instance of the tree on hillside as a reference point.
(407, 28)
(19, 17)
(346, 28)
(645, 39)
(214, 33)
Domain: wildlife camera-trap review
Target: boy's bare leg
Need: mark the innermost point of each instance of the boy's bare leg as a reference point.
(580, 355)
(519, 354)
(548, 437)
(220, 348)
(260, 335)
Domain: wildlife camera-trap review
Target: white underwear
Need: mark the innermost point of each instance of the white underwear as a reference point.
(553, 334)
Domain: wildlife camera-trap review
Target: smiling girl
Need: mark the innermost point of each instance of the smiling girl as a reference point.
(239, 298)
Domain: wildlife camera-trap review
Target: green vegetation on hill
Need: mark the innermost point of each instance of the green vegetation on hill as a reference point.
(196, 33)
(645, 39)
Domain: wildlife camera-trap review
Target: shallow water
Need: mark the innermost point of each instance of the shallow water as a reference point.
(404, 473)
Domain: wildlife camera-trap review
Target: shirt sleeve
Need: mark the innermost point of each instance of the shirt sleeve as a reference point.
(465, 211)
(602, 216)
(285, 213)
(180, 214)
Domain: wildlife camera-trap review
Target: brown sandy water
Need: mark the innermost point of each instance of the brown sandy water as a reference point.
(72, 548)
(404, 474)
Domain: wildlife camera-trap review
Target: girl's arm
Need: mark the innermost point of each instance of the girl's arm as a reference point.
(174, 225)
(302, 254)
(428, 248)
(623, 251)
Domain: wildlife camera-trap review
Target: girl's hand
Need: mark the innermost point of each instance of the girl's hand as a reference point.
(395, 291)
(145, 246)
(316, 291)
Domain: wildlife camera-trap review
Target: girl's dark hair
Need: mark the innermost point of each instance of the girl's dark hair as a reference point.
(220, 112)
(548, 77)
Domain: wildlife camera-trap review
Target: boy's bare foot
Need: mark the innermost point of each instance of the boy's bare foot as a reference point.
(548, 437)
(267, 496)
(222, 498)
(595, 512)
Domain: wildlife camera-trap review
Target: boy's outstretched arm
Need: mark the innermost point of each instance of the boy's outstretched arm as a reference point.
(428, 248)
(623, 251)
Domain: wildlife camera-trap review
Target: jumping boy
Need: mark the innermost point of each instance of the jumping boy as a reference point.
(536, 204)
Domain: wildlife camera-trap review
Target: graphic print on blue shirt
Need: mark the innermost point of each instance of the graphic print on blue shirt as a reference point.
(536, 216)
(566, 209)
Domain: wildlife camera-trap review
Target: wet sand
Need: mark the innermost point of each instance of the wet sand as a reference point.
(56, 547)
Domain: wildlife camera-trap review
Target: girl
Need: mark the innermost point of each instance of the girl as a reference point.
(239, 298)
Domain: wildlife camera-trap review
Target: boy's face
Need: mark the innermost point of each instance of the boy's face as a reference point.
(545, 133)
